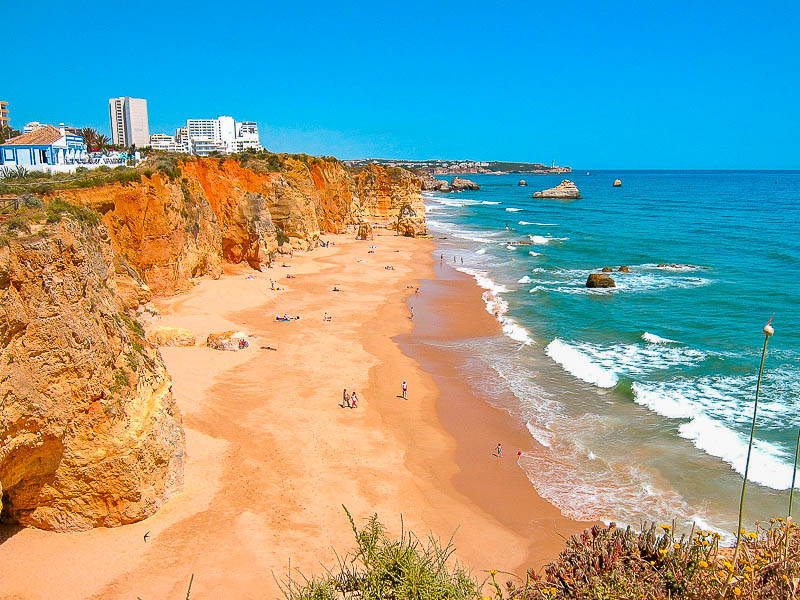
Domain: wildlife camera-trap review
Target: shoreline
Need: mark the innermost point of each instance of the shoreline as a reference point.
(271, 458)
(453, 311)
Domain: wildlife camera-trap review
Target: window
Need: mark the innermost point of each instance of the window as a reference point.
(8, 154)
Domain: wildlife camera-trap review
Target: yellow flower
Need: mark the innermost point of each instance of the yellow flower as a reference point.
(666, 527)
(703, 564)
(705, 542)
(493, 572)
(652, 562)
(662, 552)
(752, 535)
(553, 590)
(728, 565)
(737, 591)
(785, 578)
(676, 546)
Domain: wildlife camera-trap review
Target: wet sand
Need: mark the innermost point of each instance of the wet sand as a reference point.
(272, 457)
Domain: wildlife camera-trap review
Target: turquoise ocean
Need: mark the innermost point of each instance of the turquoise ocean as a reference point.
(640, 397)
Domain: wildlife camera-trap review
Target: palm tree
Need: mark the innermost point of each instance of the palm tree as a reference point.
(89, 138)
(101, 141)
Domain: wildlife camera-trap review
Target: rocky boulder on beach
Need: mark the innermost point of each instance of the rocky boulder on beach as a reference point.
(226, 340)
(600, 280)
(566, 190)
(409, 223)
(171, 336)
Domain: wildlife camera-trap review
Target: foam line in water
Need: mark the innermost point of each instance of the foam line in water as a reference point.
(524, 279)
(532, 253)
(657, 339)
(489, 203)
(513, 209)
(497, 307)
(576, 363)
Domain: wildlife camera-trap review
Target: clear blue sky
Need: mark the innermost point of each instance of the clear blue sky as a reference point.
(606, 84)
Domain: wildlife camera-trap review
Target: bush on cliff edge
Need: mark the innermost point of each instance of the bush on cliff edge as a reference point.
(603, 563)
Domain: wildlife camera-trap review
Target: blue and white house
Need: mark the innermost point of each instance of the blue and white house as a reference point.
(46, 148)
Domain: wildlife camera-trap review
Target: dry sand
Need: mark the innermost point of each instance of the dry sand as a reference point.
(272, 457)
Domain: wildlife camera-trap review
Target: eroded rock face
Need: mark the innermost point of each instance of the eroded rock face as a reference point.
(168, 231)
(89, 433)
(172, 336)
(409, 223)
(600, 280)
(431, 184)
(624, 269)
(226, 340)
(566, 190)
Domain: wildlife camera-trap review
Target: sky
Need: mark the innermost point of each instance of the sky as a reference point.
(618, 85)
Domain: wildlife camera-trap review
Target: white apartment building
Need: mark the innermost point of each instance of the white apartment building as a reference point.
(129, 125)
(223, 134)
(167, 143)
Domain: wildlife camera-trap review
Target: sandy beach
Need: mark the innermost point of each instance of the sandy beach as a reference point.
(271, 456)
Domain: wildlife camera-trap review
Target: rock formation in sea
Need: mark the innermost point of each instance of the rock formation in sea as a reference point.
(458, 184)
(624, 269)
(564, 190)
(606, 269)
(522, 183)
(431, 184)
(617, 183)
(89, 433)
(600, 280)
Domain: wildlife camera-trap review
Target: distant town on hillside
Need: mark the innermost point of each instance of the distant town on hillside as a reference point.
(463, 167)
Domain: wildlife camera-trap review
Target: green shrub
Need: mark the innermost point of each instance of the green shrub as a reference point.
(81, 170)
(281, 237)
(133, 325)
(18, 224)
(104, 169)
(57, 209)
(31, 201)
(384, 568)
(121, 380)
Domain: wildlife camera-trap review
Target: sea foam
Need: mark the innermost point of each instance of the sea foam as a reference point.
(576, 363)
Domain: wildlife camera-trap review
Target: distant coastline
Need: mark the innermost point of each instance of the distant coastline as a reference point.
(464, 167)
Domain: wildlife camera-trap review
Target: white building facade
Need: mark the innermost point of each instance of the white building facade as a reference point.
(223, 134)
(129, 123)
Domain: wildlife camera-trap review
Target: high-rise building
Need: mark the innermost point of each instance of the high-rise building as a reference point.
(4, 121)
(129, 125)
(223, 134)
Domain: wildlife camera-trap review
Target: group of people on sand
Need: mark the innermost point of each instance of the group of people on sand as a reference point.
(349, 400)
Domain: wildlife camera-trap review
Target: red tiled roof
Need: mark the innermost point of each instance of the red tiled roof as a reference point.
(44, 136)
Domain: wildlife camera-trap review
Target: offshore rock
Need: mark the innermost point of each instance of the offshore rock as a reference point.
(606, 269)
(617, 183)
(624, 269)
(600, 280)
(459, 185)
(566, 190)
(522, 183)
(89, 433)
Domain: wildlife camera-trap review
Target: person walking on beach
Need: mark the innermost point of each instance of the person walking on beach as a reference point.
(405, 390)
(353, 400)
(345, 398)
(412, 313)
(499, 450)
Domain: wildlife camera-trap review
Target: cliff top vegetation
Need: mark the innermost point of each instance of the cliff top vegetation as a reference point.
(603, 563)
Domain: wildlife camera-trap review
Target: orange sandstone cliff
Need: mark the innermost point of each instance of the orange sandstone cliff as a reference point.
(89, 433)
(171, 227)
